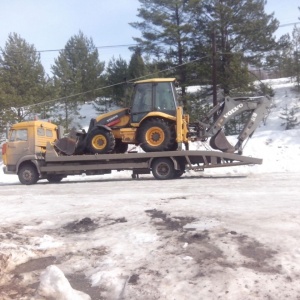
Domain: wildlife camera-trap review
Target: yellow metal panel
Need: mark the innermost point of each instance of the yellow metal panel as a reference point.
(128, 135)
(4, 158)
(179, 125)
(117, 133)
(36, 123)
(159, 115)
(111, 113)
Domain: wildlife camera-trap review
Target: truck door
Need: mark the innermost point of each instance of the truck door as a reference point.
(17, 146)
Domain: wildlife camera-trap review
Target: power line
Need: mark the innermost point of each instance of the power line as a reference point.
(99, 47)
(289, 24)
(78, 48)
(116, 84)
(125, 45)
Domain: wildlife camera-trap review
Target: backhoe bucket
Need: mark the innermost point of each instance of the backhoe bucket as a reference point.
(220, 142)
(66, 145)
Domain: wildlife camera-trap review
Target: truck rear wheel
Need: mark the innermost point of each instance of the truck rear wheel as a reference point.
(100, 141)
(163, 168)
(28, 174)
(156, 135)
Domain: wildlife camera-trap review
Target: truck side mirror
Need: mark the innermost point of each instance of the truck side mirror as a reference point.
(60, 132)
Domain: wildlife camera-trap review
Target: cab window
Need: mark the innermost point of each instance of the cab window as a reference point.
(40, 131)
(143, 98)
(18, 135)
(49, 133)
(142, 102)
(164, 98)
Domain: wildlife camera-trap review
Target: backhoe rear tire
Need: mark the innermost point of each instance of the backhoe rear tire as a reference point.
(100, 141)
(157, 135)
(28, 174)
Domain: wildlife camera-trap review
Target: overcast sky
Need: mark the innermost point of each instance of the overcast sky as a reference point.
(48, 24)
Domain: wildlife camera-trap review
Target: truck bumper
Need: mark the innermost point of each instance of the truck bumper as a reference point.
(5, 171)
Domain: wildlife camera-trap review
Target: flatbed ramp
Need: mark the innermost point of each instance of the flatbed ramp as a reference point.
(142, 163)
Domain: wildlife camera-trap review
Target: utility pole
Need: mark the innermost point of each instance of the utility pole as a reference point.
(214, 68)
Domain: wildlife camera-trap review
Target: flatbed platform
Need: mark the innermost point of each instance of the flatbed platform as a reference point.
(141, 163)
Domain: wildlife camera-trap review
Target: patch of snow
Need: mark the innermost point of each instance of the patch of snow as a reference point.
(54, 285)
(240, 240)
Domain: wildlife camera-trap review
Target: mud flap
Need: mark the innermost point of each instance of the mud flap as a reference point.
(220, 142)
(66, 145)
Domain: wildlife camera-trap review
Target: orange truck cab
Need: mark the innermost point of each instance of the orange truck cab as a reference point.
(27, 142)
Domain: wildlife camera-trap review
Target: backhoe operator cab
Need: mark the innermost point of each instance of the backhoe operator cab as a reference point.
(155, 96)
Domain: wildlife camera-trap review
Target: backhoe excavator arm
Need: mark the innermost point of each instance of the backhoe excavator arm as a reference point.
(226, 111)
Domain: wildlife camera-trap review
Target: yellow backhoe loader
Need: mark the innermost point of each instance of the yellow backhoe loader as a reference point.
(156, 122)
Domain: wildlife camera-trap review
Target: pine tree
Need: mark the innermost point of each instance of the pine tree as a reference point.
(166, 30)
(279, 62)
(180, 32)
(296, 56)
(77, 75)
(289, 117)
(22, 80)
(137, 68)
(116, 74)
(240, 27)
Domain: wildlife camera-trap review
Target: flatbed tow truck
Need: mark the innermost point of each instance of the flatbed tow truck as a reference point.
(163, 165)
(38, 150)
(37, 158)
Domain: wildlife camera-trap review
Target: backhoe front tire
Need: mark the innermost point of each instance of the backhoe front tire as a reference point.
(28, 174)
(157, 135)
(120, 147)
(100, 141)
(163, 168)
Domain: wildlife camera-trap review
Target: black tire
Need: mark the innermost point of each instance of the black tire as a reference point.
(28, 174)
(174, 147)
(163, 168)
(54, 178)
(120, 147)
(157, 135)
(179, 173)
(100, 141)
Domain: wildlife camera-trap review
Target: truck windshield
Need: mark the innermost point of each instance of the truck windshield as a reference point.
(18, 135)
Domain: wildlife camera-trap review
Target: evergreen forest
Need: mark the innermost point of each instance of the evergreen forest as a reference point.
(224, 46)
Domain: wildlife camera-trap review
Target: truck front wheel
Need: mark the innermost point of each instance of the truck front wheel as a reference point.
(163, 168)
(28, 174)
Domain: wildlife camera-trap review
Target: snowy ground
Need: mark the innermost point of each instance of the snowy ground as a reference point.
(227, 233)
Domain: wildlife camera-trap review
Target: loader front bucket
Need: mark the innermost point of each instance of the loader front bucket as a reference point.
(66, 145)
(220, 142)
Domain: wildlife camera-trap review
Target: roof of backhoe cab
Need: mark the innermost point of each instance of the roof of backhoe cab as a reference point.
(36, 123)
(155, 80)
